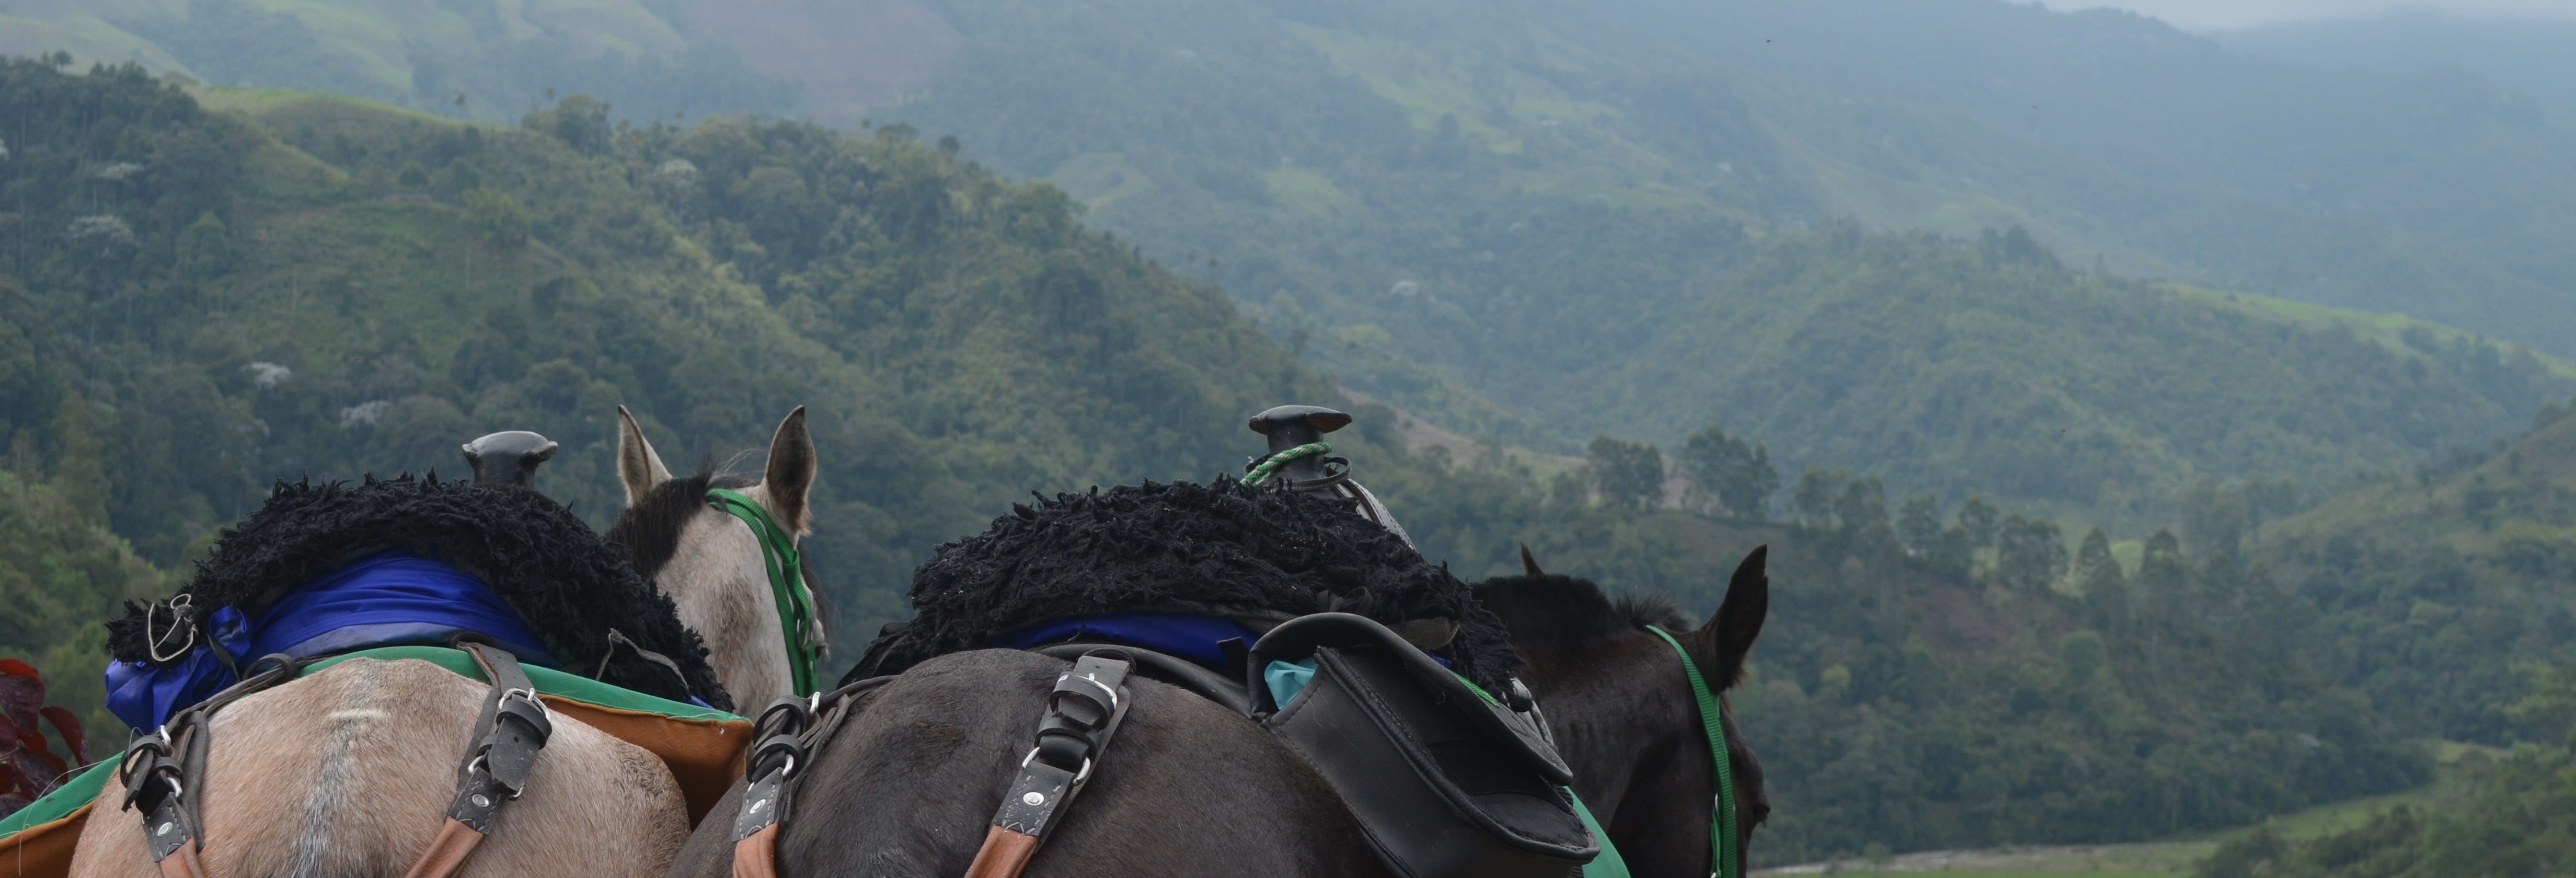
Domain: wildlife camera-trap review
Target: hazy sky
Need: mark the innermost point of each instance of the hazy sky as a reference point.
(2229, 14)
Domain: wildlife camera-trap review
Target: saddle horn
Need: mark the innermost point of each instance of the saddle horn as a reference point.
(1289, 426)
(509, 457)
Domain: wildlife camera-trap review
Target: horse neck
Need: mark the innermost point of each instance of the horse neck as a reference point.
(720, 583)
(1625, 723)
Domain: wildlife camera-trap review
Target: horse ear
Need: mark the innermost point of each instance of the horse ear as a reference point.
(791, 471)
(1529, 564)
(1729, 635)
(637, 465)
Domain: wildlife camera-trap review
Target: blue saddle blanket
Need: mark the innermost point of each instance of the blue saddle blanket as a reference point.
(392, 598)
(1188, 635)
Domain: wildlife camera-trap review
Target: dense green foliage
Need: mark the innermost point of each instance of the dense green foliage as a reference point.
(476, 60)
(1961, 683)
(2429, 591)
(2515, 817)
(1489, 212)
(1954, 368)
(230, 298)
(1533, 224)
(201, 300)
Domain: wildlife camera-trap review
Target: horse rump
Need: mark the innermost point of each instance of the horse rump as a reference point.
(908, 787)
(347, 773)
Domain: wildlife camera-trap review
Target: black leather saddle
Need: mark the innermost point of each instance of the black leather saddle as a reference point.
(1445, 780)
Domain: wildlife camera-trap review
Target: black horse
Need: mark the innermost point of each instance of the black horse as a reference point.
(908, 784)
(1623, 711)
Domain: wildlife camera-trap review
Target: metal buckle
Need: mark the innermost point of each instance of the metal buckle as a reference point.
(1078, 777)
(529, 696)
(1112, 703)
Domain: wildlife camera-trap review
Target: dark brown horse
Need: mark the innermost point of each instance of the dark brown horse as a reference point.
(1623, 710)
(907, 787)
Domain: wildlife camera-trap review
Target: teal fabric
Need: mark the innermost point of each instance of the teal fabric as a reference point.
(1608, 864)
(1286, 679)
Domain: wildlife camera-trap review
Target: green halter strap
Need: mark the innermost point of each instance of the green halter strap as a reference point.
(786, 581)
(1721, 829)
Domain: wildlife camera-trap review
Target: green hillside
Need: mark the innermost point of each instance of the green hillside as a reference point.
(1948, 676)
(2438, 598)
(481, 60)
(1419, 197)
(313, 285)
(2437, 591)
(210, 291)
(1533, 224)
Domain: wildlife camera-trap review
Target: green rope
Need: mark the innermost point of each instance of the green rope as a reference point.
(786, 582)
(1272, 465)
(1721, 829)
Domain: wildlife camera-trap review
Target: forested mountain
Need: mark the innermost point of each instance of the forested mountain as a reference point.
(2437, 591)
(2526, 55)
(1416, 196)
(208, 291)
(2444, 596)
(479, 60)
(2432, 193)
(1950, 675)
(199, 302)
(1485, 213)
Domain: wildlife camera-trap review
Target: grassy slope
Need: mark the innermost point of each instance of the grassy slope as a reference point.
(2417, 513)
(2165, 859)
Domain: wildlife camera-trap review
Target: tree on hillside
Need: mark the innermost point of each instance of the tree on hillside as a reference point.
(1812, 499)
(80, 472)
(1978, 520)
(2269, 498)
(580, 121)
(497, 217)
(2015, 246)
(2029, 553)
(2162, 573)
(2214, 520)
(1627, 475)
(1918, 523)
(2106, 591)
(1739, 475)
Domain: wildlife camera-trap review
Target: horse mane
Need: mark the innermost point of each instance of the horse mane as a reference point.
(650, 529)
(1219, 549)
(1552, 609)
(571, 586)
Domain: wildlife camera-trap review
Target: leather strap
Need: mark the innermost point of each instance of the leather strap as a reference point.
(1082, 714)
(1005, 854)
(508, 735)
(446, 853)
(160, 770)
(786, 736)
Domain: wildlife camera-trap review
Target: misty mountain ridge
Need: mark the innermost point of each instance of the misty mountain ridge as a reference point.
(2535, 57)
